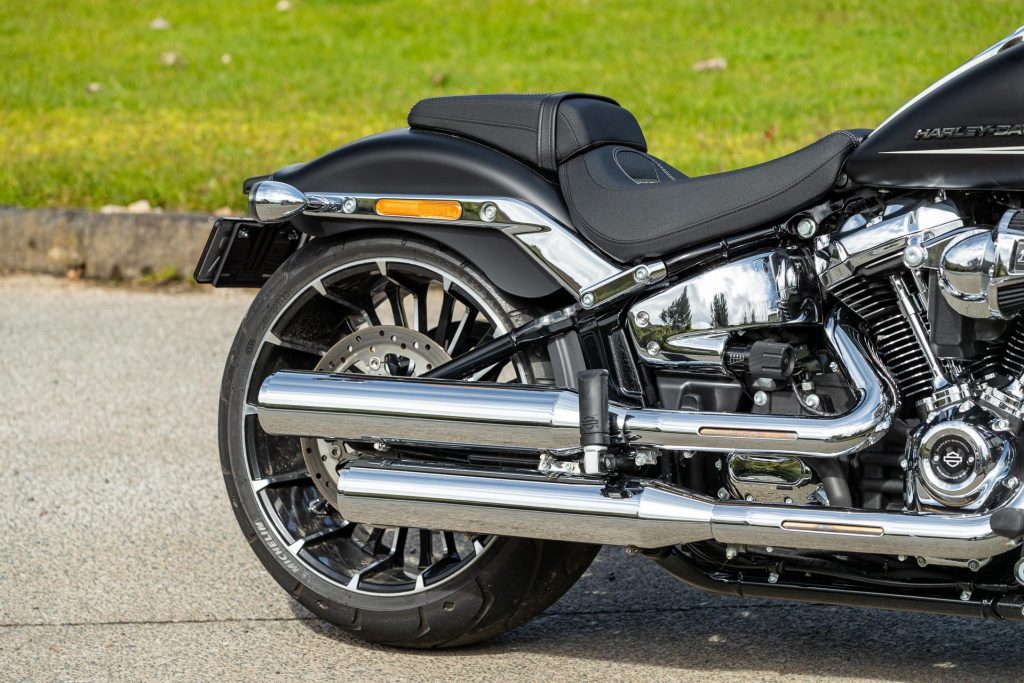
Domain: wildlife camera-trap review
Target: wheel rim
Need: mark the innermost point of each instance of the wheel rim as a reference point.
(291, 478)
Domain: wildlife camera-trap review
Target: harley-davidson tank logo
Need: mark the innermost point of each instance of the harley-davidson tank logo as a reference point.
(998, 131)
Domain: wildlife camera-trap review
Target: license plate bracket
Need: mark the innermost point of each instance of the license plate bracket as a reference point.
(243, 253)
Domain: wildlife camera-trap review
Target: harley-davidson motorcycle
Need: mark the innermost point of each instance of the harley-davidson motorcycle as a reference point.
(490, 343)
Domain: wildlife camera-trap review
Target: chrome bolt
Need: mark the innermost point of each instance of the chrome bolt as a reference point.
(348, 205)
(813, 401)
(904, 463)
(833, 366)
(718, 464)
(588, 300)
(901, 558)
(914, 256)
(335, 451)
(688, 454)
(645, 457)
(773, 577)
(970, 460)
(1001, 425)
(760, 398)
(654, 348)
(375, 364)
(243, 233)
(1018, 571)
(488, 212)
(965, 596)
(974, 565)
(788, 501)
(769, 549)
(632, 550)
(1012, 483)
(641, 274)
(935, 458)
(730, 552)
(922, 562)
(806, 227)
(642, 319)
(749, 498)
(381, 446)
(723, 494)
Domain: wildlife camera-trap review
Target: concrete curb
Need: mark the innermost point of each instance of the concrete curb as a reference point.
(100, 245)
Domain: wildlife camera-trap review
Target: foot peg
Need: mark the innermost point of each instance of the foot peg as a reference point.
(595, 428)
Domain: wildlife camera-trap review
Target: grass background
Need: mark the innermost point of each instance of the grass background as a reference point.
(304, 81)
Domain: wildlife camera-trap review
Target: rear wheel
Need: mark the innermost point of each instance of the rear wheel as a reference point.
(381, 306)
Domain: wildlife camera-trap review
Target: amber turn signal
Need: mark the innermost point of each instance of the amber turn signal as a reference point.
(443, 209)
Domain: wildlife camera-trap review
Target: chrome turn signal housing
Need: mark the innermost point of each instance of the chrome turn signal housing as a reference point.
(274, 202)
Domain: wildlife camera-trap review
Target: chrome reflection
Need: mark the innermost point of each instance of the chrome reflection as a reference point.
(770, 479)
(534, 418)
(981, 273)
(767, 289)
(866, 238)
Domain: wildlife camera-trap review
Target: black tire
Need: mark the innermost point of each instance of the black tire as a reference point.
(515, 580)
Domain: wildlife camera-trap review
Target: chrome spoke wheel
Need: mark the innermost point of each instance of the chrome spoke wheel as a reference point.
(382, 316)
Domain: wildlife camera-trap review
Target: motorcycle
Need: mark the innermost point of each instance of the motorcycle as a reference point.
(488, 344)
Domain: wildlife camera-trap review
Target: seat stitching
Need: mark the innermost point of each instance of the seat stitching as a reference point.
(478, 122)
(615, 156)
(658, 164)
(679, 228)
(856, 140)
(571, 129)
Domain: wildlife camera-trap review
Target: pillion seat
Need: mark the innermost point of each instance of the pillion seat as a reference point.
(627, 202)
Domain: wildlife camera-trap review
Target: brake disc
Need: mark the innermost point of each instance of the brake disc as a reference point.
(381, 351)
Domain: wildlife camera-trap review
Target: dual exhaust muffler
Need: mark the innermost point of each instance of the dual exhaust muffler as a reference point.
(644, 513)
(421, 411)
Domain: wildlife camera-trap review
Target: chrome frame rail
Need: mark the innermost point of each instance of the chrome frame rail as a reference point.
(576, 266)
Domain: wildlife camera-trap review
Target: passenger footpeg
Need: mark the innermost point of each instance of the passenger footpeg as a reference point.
(595, 426)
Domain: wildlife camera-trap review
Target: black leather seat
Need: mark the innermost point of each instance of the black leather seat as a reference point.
(630, 204)
(542, 130)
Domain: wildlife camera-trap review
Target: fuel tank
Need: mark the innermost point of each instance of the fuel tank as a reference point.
(964, 132)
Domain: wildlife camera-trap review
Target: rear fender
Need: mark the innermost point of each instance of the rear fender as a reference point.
(416, 162)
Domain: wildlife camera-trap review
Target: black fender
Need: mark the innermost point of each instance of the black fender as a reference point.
(418, 162)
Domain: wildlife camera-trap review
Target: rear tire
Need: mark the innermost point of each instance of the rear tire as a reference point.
(496, 590)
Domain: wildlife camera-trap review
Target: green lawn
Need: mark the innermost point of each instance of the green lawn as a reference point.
(301, 82)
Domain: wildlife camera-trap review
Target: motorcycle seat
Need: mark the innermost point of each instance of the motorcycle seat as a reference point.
(628, 203)
(634, 206)
(544, 130)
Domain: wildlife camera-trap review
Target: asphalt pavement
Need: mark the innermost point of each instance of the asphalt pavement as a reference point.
(120, 558)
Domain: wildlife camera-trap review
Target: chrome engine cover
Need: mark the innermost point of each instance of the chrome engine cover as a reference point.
(958, 463)
(865, 240)
(686, 325)
(772, 479)
(981, 272)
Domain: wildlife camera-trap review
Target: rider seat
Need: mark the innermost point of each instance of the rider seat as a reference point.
(628, 203)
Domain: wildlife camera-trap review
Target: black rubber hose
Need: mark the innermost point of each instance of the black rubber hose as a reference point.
(833, 478)
(890, 487)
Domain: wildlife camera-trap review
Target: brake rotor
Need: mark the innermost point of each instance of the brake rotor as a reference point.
(381, 351)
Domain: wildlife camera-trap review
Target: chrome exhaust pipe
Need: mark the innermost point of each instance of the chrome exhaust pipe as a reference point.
(646, 514)
(417, 411)
(529, 505)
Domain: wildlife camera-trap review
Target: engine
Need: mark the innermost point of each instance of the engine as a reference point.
(940, 298)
